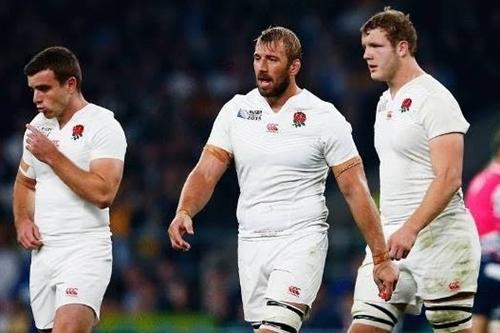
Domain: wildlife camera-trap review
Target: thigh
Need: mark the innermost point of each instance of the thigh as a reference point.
(372, 314)
(85, 275)
(298, 270)
(284, 269)
(254, 257)
(404, 295)
(445, 259)
(42, 289)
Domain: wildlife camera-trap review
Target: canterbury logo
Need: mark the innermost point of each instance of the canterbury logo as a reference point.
(72, 291)
(295, 291)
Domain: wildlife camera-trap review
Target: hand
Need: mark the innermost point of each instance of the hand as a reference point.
(29, 236)
(386, 276)
(401, 242)
(39, 145)
(180, 225)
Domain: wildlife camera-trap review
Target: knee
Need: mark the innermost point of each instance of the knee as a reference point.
(282, 317)
(452, 315)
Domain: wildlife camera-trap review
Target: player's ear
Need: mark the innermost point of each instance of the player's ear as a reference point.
(71, 84)
(295, 67)
(403, 48)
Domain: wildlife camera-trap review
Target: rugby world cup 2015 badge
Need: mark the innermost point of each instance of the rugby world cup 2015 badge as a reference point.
(250, 114)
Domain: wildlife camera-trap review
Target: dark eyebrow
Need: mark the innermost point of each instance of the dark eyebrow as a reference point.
(42, 87)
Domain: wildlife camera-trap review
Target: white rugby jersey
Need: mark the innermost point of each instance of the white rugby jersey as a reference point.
(282, 160)
(60, 213)
(421, 110)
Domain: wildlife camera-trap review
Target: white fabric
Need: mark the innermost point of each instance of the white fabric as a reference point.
(438, 318)
(282, 168)
(68, 272)
(402, 142)
(60, 212)
(281, 315)
(285, 269)
(444, 261)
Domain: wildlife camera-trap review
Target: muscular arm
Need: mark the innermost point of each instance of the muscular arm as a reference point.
(446, 157)
(23, 207)
(200, 183)
(196, 192)
(98, 185)
(352, 183)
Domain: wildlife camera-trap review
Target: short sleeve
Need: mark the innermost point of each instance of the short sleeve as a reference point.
(109, 141)
(28, 157)
(220, 135)
(441, 115)
(339, 145)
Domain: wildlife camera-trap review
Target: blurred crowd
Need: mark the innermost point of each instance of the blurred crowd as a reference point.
(165, 68)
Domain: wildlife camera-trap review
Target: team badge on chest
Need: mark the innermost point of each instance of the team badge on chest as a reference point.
(405, 106)
(299, 119)
(77, 132)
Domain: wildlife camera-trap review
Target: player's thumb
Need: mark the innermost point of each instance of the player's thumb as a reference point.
(188, 224)
(36, 232)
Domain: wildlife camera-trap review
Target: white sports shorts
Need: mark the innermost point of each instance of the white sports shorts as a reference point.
(444, 261)
(287, 269)
(69, 272)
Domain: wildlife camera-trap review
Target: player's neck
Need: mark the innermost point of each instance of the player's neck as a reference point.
(76, 103)
(276, 103)
(408, 71)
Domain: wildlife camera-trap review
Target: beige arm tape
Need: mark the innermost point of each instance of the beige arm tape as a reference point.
(339, 169)
(219, 153)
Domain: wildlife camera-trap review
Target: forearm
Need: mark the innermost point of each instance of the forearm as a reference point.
(23, 201)
(435, 200)
(90, 186)
(196, 193)
(367, 218)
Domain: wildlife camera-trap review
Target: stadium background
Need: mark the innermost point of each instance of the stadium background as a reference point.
(165, 68)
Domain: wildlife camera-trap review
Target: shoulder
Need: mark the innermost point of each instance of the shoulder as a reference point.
(100, 116)
(428, 89)
(322, 109)
(249, 101)
(40, 120)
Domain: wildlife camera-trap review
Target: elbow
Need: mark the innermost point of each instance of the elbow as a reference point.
(352, 190)
(456, 183)
(103, 201)
(451, 182)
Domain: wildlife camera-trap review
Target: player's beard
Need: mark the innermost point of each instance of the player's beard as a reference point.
(278, 89)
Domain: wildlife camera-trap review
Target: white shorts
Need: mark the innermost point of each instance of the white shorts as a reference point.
(443, 262)
(75, 272)
(287, 269)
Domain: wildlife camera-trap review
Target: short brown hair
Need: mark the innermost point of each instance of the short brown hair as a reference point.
(58, 59)
(397, 26)
(291, 42)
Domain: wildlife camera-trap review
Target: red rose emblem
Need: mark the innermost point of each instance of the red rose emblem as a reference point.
(405, 106)
(77, 132)
(299, 119)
